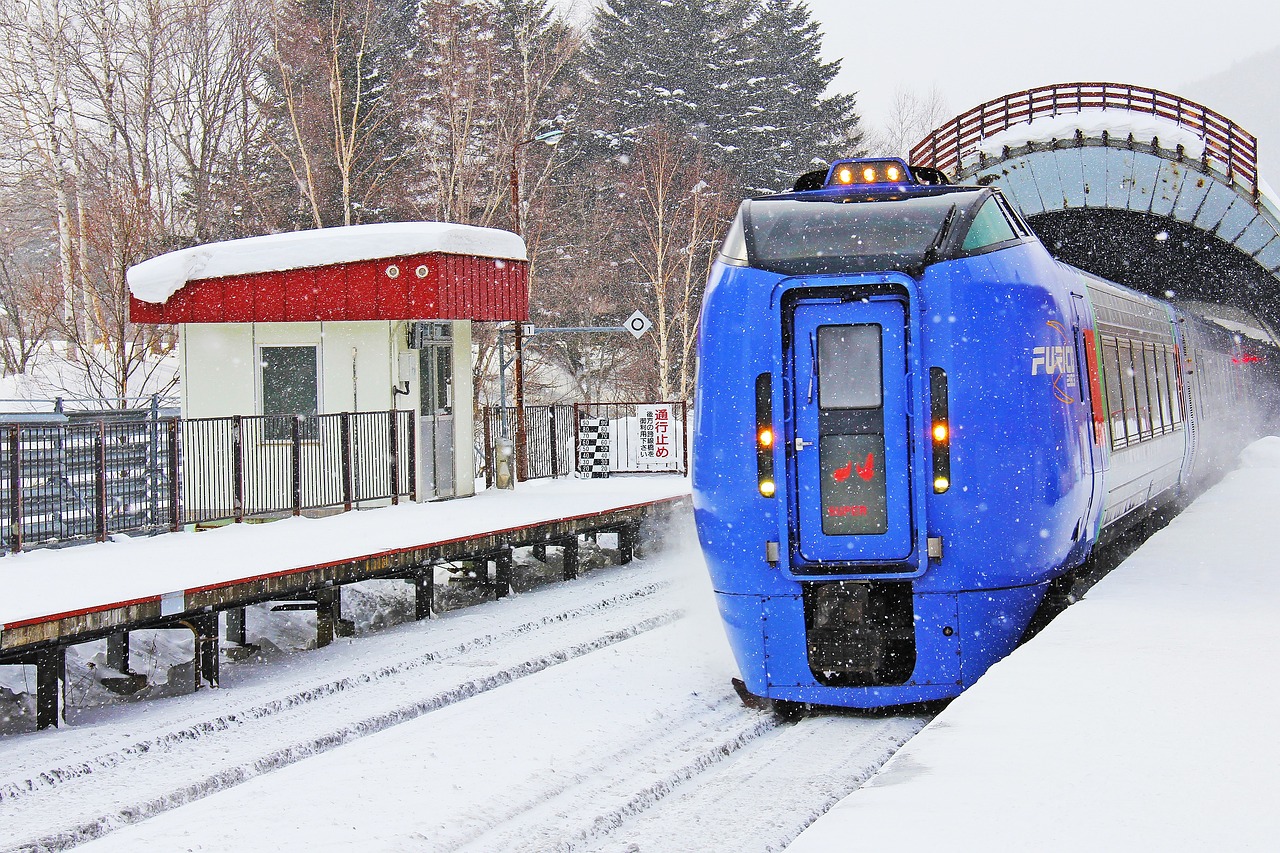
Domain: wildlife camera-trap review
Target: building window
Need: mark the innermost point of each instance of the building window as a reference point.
(290, 386)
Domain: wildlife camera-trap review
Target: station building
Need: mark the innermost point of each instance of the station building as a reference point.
(365, 318)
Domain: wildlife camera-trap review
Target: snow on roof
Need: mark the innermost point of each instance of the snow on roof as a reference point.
(1092, 122)
(157, 279)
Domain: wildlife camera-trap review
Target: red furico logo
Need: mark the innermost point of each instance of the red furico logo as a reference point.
(866, 470)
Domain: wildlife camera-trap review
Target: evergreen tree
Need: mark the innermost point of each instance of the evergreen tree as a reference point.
(792, 124)
(743, 77)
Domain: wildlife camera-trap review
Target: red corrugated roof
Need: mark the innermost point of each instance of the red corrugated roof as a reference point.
(414, 287)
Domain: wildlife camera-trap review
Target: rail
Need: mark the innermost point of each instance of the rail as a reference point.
(1225, 142)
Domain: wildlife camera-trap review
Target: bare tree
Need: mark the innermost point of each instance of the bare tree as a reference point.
(680, 208)
(336, 65)
(912, 115)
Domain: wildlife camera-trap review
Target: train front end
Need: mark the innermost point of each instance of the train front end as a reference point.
(879, 500)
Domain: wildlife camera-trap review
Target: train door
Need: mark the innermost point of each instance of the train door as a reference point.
(849, 450)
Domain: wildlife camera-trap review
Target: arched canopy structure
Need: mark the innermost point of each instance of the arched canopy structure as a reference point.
(1133, 184)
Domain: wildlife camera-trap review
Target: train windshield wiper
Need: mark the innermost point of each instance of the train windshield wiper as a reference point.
(931, 253)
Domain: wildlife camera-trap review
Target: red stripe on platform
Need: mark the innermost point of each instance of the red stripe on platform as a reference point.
(402, 549)
(84, 611)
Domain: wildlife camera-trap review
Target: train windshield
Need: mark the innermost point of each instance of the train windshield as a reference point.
(795, 236)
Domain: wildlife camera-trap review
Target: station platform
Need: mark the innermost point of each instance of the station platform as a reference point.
(53, 598)
(1142, 718)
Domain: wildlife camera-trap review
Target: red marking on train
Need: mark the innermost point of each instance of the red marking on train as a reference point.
(838, 511)
(867, 470)
(842, 474)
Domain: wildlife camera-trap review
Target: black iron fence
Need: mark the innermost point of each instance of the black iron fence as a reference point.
(249, 466)
(67, 478)
(86, 475)
(592, 439)
(548, 434)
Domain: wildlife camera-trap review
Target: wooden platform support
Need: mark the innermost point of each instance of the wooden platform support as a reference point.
(51, 676)
(118, 652)
(503, 563)
(628, 536)
(570, 568)
(424, 592)
(235, 631)
(205, 628)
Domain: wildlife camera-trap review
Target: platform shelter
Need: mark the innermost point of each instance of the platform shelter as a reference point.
(358, 319)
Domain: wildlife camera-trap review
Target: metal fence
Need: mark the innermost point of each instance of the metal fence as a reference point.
(83, 476)
(592, 439)
(86, 475)
(249, 466)
(548, 434)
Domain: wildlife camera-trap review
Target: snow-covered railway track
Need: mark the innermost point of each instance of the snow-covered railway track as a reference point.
(62, 788)
(595, 715)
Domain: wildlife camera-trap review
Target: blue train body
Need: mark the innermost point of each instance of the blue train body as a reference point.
(904, 431)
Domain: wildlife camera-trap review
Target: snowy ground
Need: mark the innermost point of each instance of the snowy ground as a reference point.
(590, 715)
(1140, 719)
(597, 715)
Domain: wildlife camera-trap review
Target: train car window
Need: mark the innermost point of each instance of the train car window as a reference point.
(1142, 402)
(734, 249)
(1115, 397)
(1155, 376)
(1175, 388)
(849, 367)
(1011, 212)
(1130, 393)
(989, 227)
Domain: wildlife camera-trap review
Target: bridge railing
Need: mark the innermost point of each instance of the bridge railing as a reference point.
(1226, 144)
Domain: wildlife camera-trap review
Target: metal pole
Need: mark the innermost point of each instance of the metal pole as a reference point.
(15, 488)
(295, 441)
(175, 471)
(345, 453)
(522, 472)
(100, 481)
(395, 458)
(237, 467)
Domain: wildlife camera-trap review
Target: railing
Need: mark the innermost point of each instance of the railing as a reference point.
(249, 466)
(1225, 143)
(85, 476)
(548, 434)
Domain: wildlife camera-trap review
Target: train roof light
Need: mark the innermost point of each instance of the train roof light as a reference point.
(869, 172)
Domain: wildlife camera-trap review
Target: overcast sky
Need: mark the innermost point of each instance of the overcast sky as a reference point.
(973, 52)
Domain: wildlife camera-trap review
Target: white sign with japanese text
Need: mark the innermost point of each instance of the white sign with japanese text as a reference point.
(657, 433)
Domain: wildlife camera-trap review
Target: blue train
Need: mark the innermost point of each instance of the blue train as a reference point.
(911, 419)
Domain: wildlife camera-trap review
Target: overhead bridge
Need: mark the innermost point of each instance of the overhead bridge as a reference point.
(1133, 184)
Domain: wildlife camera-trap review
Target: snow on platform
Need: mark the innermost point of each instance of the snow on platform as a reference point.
(43, 584)
(1142, 718)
